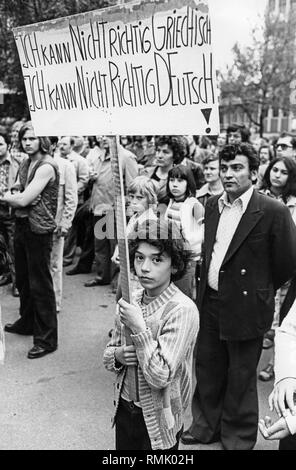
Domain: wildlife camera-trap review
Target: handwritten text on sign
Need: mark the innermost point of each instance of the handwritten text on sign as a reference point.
(139, 68)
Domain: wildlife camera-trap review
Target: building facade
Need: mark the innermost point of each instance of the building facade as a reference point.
(281, 7)
(276, 121)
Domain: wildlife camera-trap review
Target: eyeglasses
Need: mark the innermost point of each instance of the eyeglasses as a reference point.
(283, 146)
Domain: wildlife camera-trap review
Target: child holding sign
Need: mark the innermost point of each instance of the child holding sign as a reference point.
(164, 324)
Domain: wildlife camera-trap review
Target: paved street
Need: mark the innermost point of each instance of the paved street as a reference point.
(64, 400)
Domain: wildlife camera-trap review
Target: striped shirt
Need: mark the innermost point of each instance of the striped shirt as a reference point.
(173, 212)
(164, 352)
(125, 388)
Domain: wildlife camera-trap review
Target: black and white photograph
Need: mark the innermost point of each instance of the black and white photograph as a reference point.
(147, 228)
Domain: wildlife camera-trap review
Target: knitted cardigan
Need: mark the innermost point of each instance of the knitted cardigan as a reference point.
(164, 352)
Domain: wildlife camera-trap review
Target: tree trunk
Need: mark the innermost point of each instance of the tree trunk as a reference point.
(261, 126)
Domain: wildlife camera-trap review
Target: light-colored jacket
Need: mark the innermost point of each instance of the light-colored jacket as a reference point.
(68, 195)
(103, 191)
(285, 355)
(291, 204)
(164, 351)
(82, 170)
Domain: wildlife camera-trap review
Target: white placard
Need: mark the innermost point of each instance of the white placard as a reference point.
(144, 67)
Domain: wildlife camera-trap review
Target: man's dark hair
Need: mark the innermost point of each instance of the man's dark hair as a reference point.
(54, 142)
(5, 137)
(181, 171)
(53, 139)
(164, 235)
(45, 144)
(204, 142)
(139, 139)
(244, 131)
(177, 143)
(229, 152)
(290, 187)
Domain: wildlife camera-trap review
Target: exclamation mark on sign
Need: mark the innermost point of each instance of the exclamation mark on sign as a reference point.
(207, 114)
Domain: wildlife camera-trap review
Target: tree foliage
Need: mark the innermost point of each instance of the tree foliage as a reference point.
(15, 13)
(262, 73)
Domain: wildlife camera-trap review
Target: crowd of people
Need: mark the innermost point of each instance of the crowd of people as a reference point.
(212, 231)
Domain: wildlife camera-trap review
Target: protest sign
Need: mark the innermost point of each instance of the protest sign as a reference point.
(137, 68)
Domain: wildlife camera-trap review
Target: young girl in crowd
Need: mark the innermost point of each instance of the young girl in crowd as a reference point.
(279, 182)
(164, 325)
(142, 201)
(187, 212)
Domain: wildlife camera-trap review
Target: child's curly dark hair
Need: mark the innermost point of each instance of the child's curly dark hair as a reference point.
(167, 237)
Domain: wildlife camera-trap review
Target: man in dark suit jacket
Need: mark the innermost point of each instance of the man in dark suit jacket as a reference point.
(249, 252)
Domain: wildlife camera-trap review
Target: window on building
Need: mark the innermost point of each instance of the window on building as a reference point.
(285, 124)
(282, 6)
(271, 5)
(240, 118)
(293, 4)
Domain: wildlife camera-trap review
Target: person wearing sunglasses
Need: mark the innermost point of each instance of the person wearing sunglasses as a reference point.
(286, 146)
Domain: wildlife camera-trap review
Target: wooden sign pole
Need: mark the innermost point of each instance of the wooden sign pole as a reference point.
(123, 252)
